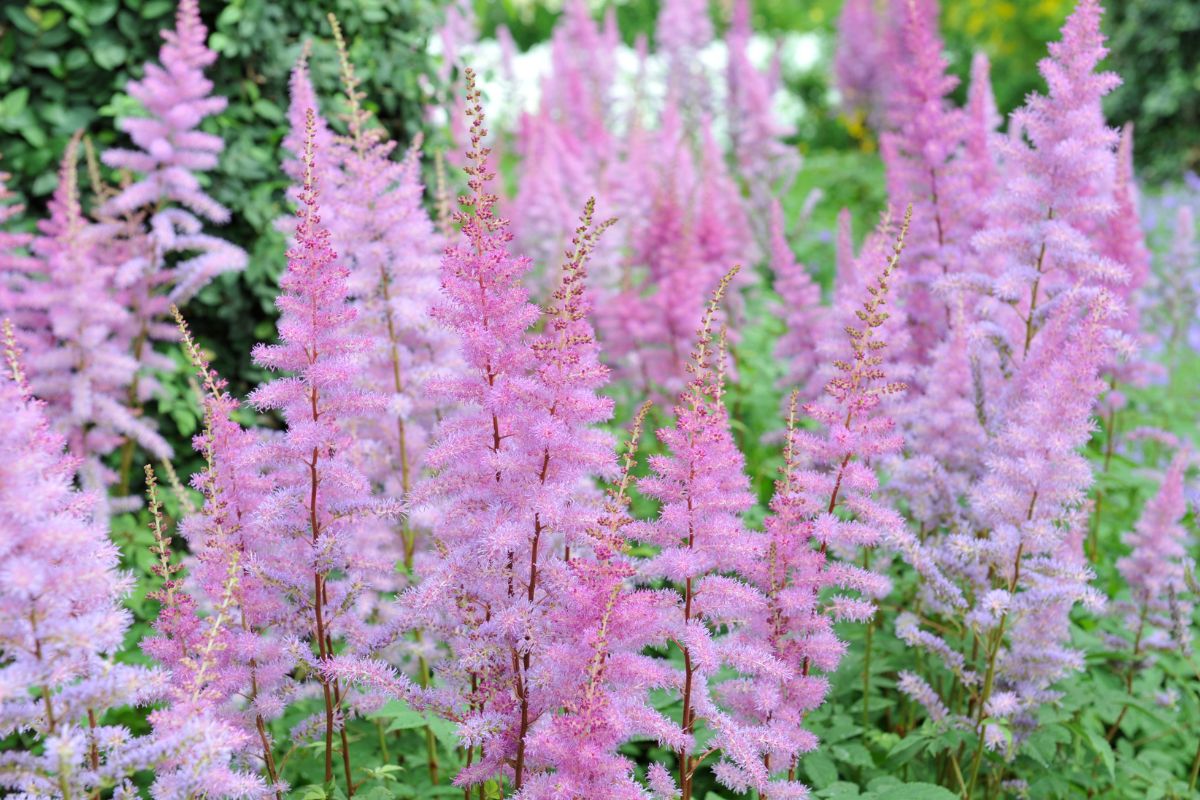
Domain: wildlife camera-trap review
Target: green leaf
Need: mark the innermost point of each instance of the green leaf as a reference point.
(915, 791)
(14, 102)
(1103, 749)
(820, 769)
(156, 8)
(107, 53)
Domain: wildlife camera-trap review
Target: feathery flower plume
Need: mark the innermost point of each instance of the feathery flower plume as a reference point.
(601, 665)
(763, 159)
(801, 310)
(386, 240)
(234, 669)
(859, 68)
(194, 734)
(171, 152)
(923, 151)
(320, 497)
(1058, 189)
(16, 265)
(1174, 299)
(1156, 565)
(81, 340)
(61, 620)
(1030, 562)
(703, 491)
(511, 468)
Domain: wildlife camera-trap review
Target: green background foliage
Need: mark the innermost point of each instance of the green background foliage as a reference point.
(65, 64)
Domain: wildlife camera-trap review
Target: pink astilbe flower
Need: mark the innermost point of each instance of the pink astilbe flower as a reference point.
(682, 31)
(320, 497)
(801, 310)
(601, 665)
(923, 151)
(1026, 571)
(1155, 568)
(982, 141)
(386, 239)
(82, 362)
(61, 620)
(764, 161)
(577, 92)
(195, 737)
(171, 152)
(1173, 300)
(553, 166)
(1035, 481)
(230, 670)
(692, 229)
(859, 68)
(1123, 239)
(702, 489)
(1059, 166)
(511, 468)
(15, 262)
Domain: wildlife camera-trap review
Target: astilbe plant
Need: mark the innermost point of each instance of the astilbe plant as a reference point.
(386, 240)
(15, 262)
(196, 735)
(61, 617)
(511, 468)
(927, 165)
(823, 515)
(800, 310)
(603, 665)
(172, 153)
(1060, 166)
(230, 670)
(702, 489)
(319, 496)
(765, 162)
(1156, 567)
(78, 333)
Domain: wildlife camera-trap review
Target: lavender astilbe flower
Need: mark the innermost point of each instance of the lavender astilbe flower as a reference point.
(16, 265)
(1173, 301)
(982, 140)
(61, 620)
(171, 152)
(1123, 239)
(601, 663)
(511, 468)
(80, 338)
(764, 161)
(859, 63)
(924, 154)
(1028, 501)
(577, 92)
(387, 242)
(320, 497)
(1155, 568)
(231, 670)
(703, 491)
(692, 227)
(1060, 165)
(682, 31)
(801, 310)
(195, 737)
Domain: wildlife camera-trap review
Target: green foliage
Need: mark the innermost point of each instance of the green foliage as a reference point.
(67, 63)
(1156, 50)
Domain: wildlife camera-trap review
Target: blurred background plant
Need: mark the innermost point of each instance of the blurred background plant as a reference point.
(65, 64)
